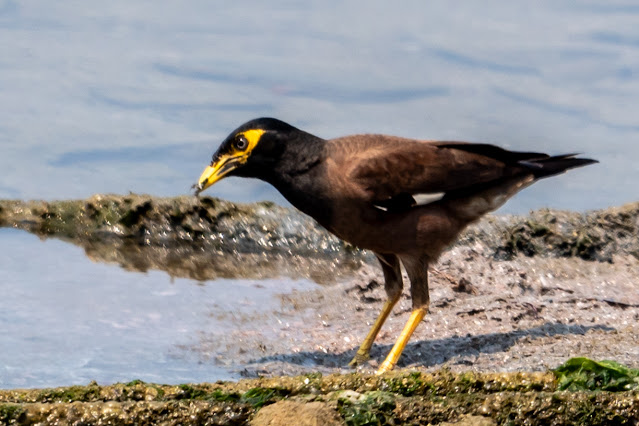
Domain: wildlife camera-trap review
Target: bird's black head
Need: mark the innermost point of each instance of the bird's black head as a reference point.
(250, 151)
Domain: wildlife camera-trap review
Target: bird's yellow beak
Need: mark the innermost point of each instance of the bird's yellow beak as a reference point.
(217, 170)
(232, 158)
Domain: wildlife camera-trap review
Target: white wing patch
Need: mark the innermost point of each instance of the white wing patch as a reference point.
(406, 201)
(423, 199)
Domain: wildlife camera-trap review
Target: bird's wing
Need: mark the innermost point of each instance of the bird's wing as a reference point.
(392, 172)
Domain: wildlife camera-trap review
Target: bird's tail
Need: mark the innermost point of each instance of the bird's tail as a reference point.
(550, 166)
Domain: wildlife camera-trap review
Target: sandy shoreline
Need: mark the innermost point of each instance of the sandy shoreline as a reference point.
(528, 314)
(514, 294)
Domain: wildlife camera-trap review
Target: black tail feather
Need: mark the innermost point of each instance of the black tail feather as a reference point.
(550, 166)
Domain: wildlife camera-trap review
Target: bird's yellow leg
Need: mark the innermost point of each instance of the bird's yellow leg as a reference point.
(363, 353)
(415, 318)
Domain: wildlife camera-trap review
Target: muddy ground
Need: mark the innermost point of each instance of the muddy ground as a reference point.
(515, 294)
(526, 314)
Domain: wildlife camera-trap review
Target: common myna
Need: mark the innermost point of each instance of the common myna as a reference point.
(405, 200)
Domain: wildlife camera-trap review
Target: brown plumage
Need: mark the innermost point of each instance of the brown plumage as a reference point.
(406, 200)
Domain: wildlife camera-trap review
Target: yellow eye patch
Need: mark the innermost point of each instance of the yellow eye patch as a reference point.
(229, 160)
(252, 137)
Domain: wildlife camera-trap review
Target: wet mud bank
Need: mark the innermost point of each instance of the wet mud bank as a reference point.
(354, 399)
(514, 298)
(191, 237)
(198, 238)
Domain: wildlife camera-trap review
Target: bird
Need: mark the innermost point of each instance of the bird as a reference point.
(406, 200)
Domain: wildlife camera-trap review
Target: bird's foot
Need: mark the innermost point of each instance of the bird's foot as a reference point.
(359, 359)
(385, 367)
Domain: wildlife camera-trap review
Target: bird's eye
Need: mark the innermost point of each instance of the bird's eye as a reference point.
(241, 143)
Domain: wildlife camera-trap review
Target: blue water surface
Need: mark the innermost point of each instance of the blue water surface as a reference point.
(65, 320)
(134, 96)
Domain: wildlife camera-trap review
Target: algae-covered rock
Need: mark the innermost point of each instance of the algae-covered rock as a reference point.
(594, 235)
(167, 222)
(353, 399)
(206, 238)
(198, 238)
(134, 413)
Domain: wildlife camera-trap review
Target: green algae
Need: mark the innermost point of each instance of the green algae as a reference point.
(10, 413)
(190, 392)
(371, 408)
(408, 385)
(255, 397)
(72, 393)
(394, 398)
(586, 374)
(259, 396)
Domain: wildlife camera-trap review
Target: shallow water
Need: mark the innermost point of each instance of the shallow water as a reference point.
(65, 320)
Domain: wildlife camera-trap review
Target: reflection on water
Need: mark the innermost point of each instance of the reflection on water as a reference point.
(65, 320)
(196, 264)
(189, 237)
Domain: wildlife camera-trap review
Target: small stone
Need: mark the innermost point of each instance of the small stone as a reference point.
(285, 413)
(471, 421)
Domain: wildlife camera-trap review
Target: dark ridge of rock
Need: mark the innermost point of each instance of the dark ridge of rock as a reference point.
(198, 238)
(192, 237)
(209, 223)
(595, 235)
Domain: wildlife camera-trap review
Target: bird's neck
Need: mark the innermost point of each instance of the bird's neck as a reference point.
(298, 176)
(300, 160)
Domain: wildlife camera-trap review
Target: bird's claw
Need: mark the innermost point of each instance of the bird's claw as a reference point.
(359, 359)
